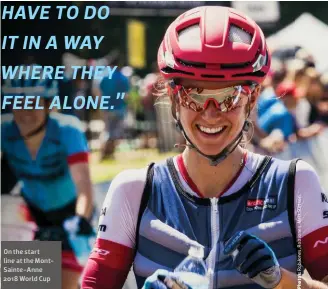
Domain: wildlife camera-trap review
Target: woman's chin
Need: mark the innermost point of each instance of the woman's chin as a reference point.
(211, 144)
(210, 151)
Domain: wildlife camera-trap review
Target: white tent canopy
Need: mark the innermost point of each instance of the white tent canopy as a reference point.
(308, 32)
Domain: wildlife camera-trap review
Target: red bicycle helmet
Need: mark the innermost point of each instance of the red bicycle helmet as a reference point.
(214, 43)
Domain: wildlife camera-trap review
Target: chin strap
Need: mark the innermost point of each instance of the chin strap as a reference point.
(216, 159)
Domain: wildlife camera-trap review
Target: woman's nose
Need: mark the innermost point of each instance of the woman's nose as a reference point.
(211, 110)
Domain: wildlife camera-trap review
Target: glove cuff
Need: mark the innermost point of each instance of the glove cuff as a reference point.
(78, 225)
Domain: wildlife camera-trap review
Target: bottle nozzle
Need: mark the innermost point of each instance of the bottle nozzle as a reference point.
(197, 252)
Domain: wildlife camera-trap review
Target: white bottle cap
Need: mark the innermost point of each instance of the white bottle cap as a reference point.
(197, 252)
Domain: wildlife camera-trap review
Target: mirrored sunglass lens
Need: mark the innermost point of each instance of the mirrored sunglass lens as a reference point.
(222, 95)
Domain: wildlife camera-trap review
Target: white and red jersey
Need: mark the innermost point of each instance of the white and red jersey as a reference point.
(114, 251)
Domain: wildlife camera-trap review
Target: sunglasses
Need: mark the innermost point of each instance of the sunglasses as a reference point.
(225, 99)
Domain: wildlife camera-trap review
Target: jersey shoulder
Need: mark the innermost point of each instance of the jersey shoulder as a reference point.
(130, 178)
(306, 172)
(128, 186)
(67, 122)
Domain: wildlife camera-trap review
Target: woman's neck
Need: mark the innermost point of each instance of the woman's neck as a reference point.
(212, 180)
(34, 142)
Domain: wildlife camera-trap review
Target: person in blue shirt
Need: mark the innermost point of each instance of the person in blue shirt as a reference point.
(48, 153)
(279, 115)
(114, 118)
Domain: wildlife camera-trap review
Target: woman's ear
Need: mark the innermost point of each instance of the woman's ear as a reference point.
(254, 96)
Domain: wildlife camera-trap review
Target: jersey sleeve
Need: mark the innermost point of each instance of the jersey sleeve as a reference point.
(75, 142)
(114, 250)
(311, 220)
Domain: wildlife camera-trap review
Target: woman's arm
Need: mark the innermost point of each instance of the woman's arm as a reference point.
(81, 177)
(311, 223)
(114, 250)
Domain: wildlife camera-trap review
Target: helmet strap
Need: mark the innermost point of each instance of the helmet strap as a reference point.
(216, 159)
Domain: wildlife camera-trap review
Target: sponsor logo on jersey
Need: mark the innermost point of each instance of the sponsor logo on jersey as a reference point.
(269, 203)
(102, 228)
(317, 243)
(325, 214)
(100, 251)
(103, 211)
(324, 198)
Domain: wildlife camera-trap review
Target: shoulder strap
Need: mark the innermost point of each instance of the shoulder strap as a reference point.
(144, 199)
(259, 171)
(291, 198)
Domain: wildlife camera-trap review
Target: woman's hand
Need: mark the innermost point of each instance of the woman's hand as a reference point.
(254, 259)
(273, 144)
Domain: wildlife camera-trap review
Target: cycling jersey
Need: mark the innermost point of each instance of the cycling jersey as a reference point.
(172, 222)
(47, 182)
(47, 185)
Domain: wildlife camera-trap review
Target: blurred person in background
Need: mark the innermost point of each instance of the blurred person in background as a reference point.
(73, 88)
(148, 102)
(266, 99)
(279, 120)
(322, 104)
(114, 118)
(48, 154)
(313, 87)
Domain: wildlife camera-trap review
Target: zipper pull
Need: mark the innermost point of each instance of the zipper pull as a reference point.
(214, 202)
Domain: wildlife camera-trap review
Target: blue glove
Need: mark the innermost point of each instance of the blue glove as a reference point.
(81, 237)
(254, 259)
(163, 279)
(78, 225)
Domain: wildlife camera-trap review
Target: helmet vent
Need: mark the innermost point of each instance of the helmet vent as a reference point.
(256, 73)
(212, 76)
(235, 65)
(171, 70)
(190, 36)
(237, 34)
(191, 64)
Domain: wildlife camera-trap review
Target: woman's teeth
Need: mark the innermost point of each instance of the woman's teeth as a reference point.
(210, 130)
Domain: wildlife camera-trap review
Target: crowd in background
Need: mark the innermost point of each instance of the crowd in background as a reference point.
(293, 105)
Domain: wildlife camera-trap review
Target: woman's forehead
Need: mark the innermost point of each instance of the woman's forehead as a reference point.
(208, 84)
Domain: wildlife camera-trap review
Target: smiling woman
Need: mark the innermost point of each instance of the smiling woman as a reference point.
(238, 205)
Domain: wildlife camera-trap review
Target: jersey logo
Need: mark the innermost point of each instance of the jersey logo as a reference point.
(101, 251)
(320, 242)
(102, 228)
(325, 214)
(103, 211)
(269, 203)
(324, 198)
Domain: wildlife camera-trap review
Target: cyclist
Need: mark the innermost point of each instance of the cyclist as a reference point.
(243, 208)
(48, 153)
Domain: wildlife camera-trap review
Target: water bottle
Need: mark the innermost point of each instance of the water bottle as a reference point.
(192, 270)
